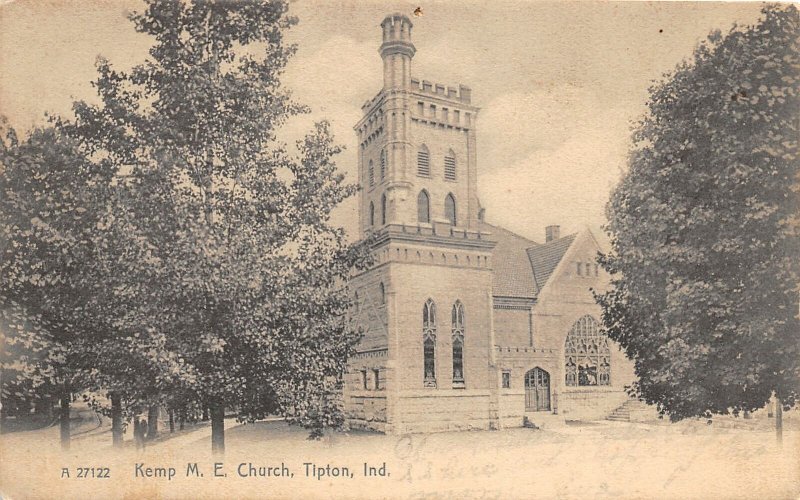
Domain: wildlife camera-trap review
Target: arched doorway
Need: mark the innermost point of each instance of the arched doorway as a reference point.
(537, 390)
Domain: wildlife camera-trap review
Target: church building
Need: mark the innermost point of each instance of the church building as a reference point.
(466, 324)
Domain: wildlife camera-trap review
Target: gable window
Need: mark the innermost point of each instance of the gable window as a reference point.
(371, 214)
(450, 166)
(423, 162)
(383, 209)
(429, 343)
(458, 344)
(450, 209)
(371, 173)
(383, 164)
(423, 207)
(587, 355)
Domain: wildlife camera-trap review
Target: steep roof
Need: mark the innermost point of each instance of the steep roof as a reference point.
(512, 276)
(544, 258)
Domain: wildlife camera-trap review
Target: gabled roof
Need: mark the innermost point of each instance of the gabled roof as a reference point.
(544, 258)
(511, 276)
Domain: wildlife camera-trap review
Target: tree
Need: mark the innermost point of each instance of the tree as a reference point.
(245, 292)
(51, 201)
(705, 229)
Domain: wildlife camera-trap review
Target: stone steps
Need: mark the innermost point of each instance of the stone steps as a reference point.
(632, 406)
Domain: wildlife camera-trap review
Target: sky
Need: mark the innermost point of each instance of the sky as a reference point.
(559, 84)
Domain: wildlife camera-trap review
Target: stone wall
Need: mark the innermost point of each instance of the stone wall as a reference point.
(443, 410)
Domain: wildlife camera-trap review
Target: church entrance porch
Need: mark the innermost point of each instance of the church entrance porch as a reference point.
(537, 390)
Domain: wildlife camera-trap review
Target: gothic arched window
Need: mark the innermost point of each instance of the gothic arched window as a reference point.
(383, 164)
(423, 162)
(429, 343)
(383, 209)
(423, 207)
(458, 343)
(371, 214)
(450, 166)
(371, 173)
(450, 209)
(587, 354)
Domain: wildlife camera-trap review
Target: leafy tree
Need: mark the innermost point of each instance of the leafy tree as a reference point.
(704, 228)
(51, 200)
(241, 290)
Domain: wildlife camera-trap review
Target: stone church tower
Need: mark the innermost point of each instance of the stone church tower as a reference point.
(466, 325)
(425, 306)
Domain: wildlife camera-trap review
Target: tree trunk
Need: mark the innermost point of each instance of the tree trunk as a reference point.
(217, 428)
(64, 418)
(116, 420)
(779, 421)
(171, 421)
(152, 422)
(205, 413)
(181, 418)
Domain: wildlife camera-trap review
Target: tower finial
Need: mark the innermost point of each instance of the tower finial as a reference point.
(397, 50)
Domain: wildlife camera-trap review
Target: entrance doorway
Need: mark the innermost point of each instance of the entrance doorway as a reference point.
(537, 390)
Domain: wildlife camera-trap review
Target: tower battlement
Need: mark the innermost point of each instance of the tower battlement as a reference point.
(461, 93)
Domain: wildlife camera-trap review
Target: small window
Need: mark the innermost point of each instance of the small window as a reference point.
(450, 209)
(595, 270)
(421, 108)
(456, 116)
(580, 268)
(423, 162)
(382, 290)
(506, 380)
(445, 115)
(433, 111)
(383, 164)
(383, 209)
(423, 207)
(364, 381)
(376, 373)
(467, 118)
(450, 166)
(371, 173)
(371, 214)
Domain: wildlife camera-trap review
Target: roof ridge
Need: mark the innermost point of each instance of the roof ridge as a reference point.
(501, 228)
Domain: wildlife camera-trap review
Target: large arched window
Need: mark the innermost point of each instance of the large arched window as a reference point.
(371, 173)
(458, 343)
(423, 161)
(383, 209)
(423, 207)
(450, 166)
(371, 214)
(450, 209)
(587, 354)
(383, 164)
(429, 343)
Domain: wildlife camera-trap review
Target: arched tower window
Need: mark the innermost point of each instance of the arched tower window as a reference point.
(371, 214)
(423, 161)
(383, 164)
(429, 343)
(587, 354)
(457, 331)
(371, 173)
(383, 209)
(423, 207)
(450, 166)
(450, 209)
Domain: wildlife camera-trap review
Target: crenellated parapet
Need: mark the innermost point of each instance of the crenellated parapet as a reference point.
(462, 93)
